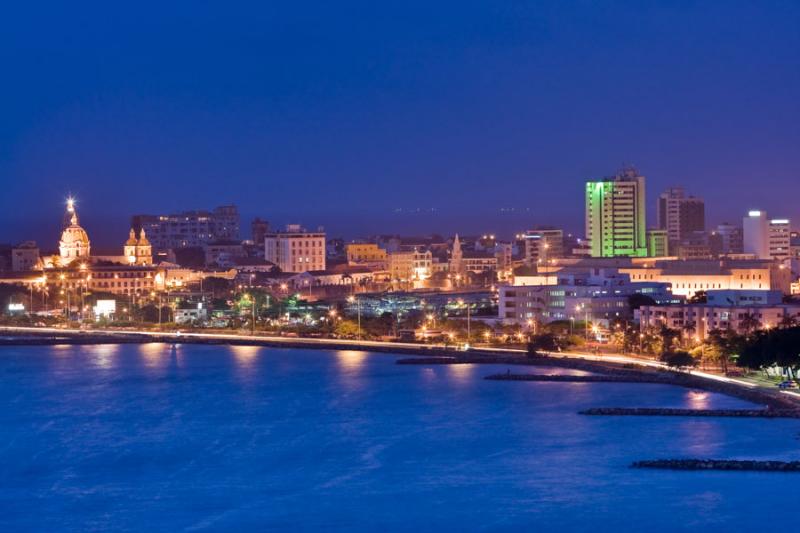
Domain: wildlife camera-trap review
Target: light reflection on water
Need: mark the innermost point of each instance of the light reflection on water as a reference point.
(245, 356)
(154, 354)
(235, 426)
(350, 366)
(698, 399)
(244, 360)
(103, 355)
(462, 372)
(350, 361)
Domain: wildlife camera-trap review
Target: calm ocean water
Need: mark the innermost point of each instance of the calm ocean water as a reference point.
(211, 438)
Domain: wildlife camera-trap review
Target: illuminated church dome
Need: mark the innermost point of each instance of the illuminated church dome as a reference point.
(74, 243)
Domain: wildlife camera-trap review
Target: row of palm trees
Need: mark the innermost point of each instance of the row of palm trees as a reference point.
(716, 349)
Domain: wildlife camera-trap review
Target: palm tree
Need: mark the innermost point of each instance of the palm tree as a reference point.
(749, 323)
(788, 321)
(689, 329)
(667, 336)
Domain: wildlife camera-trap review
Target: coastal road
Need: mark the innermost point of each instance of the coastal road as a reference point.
(357, 345)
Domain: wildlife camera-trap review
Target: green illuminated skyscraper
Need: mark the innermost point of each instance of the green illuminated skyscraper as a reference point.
(615, 215)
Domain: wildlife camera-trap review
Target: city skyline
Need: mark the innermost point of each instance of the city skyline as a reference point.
(466, 110)
(504, 221)
(513, 265)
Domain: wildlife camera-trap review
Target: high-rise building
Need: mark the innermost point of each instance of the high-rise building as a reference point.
(755, 232)
(680, 215)
(615, 215)
(780, 239)
(726, 239)
(259, 229)
(542, 245)
(296, 249)
(190, 228)
(765, 238)
(794, 244)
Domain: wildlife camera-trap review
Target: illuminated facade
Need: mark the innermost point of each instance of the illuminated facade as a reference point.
(615, 216)
(779, 239)
(766, 238)
(365, 254)
(691, 276)
(138, 250)
(542, 245)
(410, 266)
(477, 262)
(595, 295)
(295, 250)
(736, 311)
(456, 265)
(74, 243)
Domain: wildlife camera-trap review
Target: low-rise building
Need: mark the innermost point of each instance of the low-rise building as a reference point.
(724, 310)
(296, 249)
(657, 243)
(599, 295)
(365, 254)
(477, 262)
(411, 266)
(690, 276)
(224, 253)
(25, 257)
(188, 315)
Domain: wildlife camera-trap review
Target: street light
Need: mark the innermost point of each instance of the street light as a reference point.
(352, 299)
(578, 309)
(461, 302)
(30, 309)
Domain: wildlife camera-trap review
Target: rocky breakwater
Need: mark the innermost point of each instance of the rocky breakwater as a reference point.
(668, 411)
(720, 464)
(603, 378)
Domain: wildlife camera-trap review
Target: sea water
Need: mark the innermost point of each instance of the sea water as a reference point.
(156, 437)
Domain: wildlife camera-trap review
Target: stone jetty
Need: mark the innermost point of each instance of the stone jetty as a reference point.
(720, 464)
(632, 377)
(665, 411)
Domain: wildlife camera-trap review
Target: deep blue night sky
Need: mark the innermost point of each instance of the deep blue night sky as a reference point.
(305, 111)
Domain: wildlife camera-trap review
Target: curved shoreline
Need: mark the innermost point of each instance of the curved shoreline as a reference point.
(634, 370)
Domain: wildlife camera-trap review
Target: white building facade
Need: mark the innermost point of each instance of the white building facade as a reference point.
(295, 250)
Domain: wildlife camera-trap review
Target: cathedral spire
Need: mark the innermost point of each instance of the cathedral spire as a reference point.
(71, 216)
